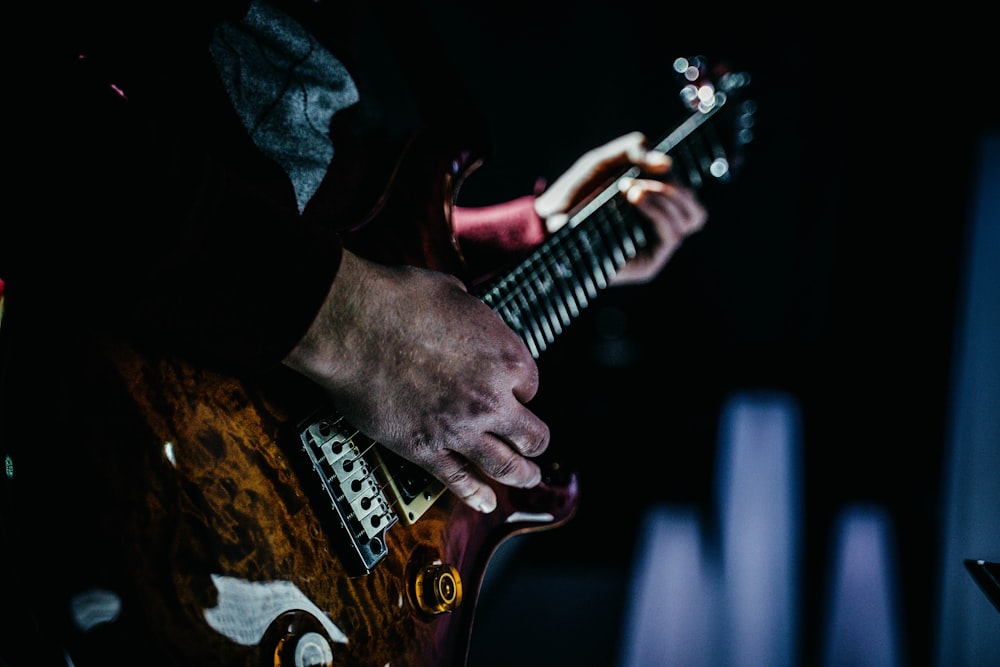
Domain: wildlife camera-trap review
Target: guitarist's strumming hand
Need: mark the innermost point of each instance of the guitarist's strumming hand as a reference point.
(428, 370)
(416, 362)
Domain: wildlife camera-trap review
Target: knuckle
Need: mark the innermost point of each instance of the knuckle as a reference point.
(458, 479)
(537, 445)
(506, 467)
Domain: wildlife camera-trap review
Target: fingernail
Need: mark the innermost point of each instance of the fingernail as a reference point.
(486, 506)
(554, 223)
(657, 159)
(625, 184)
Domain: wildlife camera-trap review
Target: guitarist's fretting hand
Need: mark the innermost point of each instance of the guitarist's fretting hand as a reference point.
(674, 211)
(431, 372)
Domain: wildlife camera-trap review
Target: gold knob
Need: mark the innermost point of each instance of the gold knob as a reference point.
(438, 588)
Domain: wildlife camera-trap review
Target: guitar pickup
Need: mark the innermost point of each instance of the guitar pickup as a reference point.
(414, 490)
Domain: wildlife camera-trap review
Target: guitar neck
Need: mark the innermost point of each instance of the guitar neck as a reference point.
(543, 294)
(546, 291)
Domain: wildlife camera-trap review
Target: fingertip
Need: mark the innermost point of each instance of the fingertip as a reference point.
(634, 195)
(555, 222)
(658, 161)
(629, 188)
(635, 137)
(536, 477)
(483, 500)
(486, 505)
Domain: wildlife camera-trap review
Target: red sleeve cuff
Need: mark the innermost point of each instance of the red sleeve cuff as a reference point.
(511, 227)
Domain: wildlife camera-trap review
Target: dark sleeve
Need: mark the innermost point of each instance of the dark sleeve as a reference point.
(149, 213)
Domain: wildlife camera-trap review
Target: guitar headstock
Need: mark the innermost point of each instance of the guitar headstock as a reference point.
(710, 145)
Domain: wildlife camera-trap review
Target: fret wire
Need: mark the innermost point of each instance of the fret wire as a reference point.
(512, 318)
(541, 288)
(616, 221)
(533, 298)
(528, 318)
(598, 267)
(614, 258)
(621, 218)
(559, 279)
(517, 324)
(549, 273)
(638, 231)
(625, 248)
(566, 271)
(634, 226)
(564, 296)
(583, 269)
(572, 259)
(506, 287)
(542, 269)
(530, 298)
(610, 236)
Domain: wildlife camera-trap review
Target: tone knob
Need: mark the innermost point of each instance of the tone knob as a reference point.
(312, 650)
(297, 640)
(438, 588)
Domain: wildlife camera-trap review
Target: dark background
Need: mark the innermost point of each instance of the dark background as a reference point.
(828, 270)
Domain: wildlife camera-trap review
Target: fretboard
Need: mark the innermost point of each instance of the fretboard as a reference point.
(553, 285)
(546, 291)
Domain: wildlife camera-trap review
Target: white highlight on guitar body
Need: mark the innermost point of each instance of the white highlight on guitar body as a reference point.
(94, 607)
(538, 517)
(247, 608)
(168, 452)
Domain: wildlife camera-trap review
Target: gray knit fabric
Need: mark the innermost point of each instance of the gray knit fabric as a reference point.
(285, 88)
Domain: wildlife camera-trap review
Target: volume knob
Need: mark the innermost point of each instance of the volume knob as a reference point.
(438, 588)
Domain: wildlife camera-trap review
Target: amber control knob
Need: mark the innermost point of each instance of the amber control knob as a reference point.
(438, 588)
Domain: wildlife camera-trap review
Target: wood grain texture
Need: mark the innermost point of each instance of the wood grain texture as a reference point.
(226, 499)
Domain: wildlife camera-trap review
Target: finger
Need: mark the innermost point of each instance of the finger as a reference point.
(466, 474)
(636, 152)
(691, 214)
(678, 206)
(503, 463)
(502, 453)
(630, 147)
(627, 149)
(461, 478)
(524, 433)
(655, 162)
(465, 467)
(499, 459)
(581, 175)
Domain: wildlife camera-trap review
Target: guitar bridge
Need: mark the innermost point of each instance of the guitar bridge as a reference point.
(339, 456)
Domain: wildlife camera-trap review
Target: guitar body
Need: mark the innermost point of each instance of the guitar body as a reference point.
(184, 522)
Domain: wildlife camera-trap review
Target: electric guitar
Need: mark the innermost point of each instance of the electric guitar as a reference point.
(212, 520)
